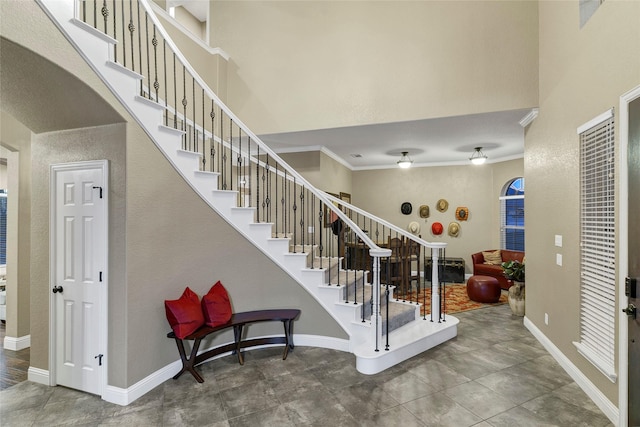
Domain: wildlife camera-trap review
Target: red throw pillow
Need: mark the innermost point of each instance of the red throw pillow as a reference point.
(216, 306)
(184, 314)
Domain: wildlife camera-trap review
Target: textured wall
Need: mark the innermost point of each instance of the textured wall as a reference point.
(576, 85)
(322, 64)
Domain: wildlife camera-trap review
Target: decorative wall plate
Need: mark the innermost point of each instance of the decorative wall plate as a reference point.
(406, 208)
(462, 213)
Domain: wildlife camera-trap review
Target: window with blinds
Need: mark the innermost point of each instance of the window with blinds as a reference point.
(512, 216)
(597, 244)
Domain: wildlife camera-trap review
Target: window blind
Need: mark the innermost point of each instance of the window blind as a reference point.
(512, 222)
(597, 245)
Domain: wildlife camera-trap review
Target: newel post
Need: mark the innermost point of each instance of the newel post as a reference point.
(376, 317)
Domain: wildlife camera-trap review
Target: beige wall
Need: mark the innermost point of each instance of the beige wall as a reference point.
(381, 192)
(321, 170)
(17, 140)
(576, 85)
(210, 66)
(310, 65)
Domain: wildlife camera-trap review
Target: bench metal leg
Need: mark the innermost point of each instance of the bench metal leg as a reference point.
(288, 340)
(188, 364)
(237, 337)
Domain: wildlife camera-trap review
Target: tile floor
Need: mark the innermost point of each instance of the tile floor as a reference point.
(493, 374)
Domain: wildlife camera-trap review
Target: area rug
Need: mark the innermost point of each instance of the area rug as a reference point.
(456, 299)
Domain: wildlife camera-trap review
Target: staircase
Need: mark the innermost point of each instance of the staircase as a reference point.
(357, 300)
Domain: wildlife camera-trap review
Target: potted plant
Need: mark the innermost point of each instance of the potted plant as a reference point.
(514, 271)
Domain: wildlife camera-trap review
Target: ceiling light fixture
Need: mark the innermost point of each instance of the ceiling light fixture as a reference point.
(405, 161)
(478, 157)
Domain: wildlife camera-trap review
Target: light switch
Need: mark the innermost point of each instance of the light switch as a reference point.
(559, 240)
(559, 259)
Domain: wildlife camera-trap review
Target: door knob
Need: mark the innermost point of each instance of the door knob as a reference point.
(57, 289)
(630, 310)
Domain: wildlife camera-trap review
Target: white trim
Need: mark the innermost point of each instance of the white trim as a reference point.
(530, 117)
(126, 396)
(103, 327)
(607, 369)
(623, 255)
(605, 405)
(37, 375)
(595, 121)
(17, 344)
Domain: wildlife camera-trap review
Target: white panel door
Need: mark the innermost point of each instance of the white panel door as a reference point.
(79, 261)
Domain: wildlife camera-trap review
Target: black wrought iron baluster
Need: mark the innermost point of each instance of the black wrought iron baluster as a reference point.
(320, 246)
(124, 31)
(247, 177)
(386, 347)
(221, 155)
(258, 182)
(275, 186)
(184, 106)
(204, 135)
(175, 93)
(164, 70)
(105, 14)
(132, 29)
(95, 14)
(212, 147)
(295, 215)
(283, 201)
(310, 213)
(443, 294)
(140, 62)
(231, 152)
(266, 177)
(84, 11)
(240, 174)
(146, 30)
(154, 41)
(302, 213)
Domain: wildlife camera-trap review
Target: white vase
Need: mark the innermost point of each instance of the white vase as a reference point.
(516, 298)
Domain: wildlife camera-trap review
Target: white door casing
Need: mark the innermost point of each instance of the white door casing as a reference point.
(78, 268)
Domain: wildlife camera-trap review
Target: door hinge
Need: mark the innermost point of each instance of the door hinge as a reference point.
(100, 278)
(99, 357)
(94, 187)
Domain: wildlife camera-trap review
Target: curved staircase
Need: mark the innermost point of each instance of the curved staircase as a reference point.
(346, 294)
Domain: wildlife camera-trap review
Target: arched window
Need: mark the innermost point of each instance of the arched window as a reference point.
(512, 215)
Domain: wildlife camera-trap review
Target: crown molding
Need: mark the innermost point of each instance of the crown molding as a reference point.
(531, 116)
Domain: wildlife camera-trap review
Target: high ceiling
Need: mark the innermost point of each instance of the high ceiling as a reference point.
(431, 142)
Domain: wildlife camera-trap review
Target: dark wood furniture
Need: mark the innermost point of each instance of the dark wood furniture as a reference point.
(451, 269)
(237, 322)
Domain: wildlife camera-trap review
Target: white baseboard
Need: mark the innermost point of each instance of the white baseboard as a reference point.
(15, 344)
(605, 405)
(38, 375)
(125, 396)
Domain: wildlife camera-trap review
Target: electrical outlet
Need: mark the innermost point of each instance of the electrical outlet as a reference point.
(546, 319)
